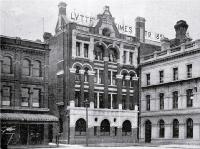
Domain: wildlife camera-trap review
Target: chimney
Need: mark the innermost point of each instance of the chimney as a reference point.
(62, 8)
(47, 36)
(140, 29)
(181, 29)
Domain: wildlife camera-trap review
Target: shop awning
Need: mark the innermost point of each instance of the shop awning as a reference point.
(28, 117)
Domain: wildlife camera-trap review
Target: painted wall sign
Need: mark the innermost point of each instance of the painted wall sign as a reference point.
(125, 29)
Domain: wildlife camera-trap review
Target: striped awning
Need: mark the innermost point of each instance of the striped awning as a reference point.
(28, 117)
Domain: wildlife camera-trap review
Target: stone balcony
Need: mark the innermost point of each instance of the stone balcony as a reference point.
(181, 49)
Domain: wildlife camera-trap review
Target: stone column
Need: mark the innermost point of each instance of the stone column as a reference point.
(82, 87)
(91, 86)
(106, 82)
(119, 90)
(72, 84)
(127, 78)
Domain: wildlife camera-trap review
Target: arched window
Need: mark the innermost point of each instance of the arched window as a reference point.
(124, 79)
(77, 74)
(26, 69)
(112, 55)
(126, 128)
(37, 69)
(7, 65)
(132, 75)
(175, 128)
(105, 128)
(161, 129)
(98, 53)
(80, 128)
(189, 124)
(86, 76)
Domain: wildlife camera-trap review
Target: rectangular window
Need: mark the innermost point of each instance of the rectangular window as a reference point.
(100, 76)
(175, 99)
(101, 100)
(86, 48)
(109, 101)
(114, 78)
(131, 58)
(95, 100)
(161, 76)
(190, 97)
(175, 74)
(95, 75)
(189, 71)
(123, 101)
(148, 78)
(109, 77)
(6, 95)
(124, 57)
(77, 98)
(36, 98)
(114, 101)
(78, 49)
(95, 130)
(25, 96)
(148, 102)
(115, 131)
(161, 95)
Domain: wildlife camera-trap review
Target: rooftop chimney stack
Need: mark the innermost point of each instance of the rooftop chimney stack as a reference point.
(140, 29)
(181, 29)
(62, 8)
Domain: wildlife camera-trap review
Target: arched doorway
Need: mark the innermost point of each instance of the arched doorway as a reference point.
(80, 128)
(148, 131)
(105, 128)
(126, 128)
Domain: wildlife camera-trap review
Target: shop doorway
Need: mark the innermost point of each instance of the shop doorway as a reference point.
(148, 131)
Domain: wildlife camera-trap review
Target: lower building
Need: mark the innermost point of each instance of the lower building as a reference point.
(24, 111)
(170, 91)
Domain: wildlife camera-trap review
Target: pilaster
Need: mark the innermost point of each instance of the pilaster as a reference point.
(119, 89)
(106, 82)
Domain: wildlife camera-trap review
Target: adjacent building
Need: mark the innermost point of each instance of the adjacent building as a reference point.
(170, 91)
(96, 66)
(24, 110)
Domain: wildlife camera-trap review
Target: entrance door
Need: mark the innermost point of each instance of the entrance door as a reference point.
(23, 134)
(148, 131)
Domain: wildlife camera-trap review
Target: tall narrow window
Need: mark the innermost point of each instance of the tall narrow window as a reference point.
(162, 129)
(161, 76)
(175, 128)
(26, 70)
(114, 101)
(95, 100)
(95, 75)
(86, 76)
(77, 74)
(189, 124)
(175, 99)
(78, 49)
(7, 65)
(124, 57)
(148, 102)
(161, 95)
(36, 98)
(78, 98)
(189, 71)
(131, 80)
(36, 68)
(114, 78)
(131, 58)
(101, 101)
(124, 79)
(86, 97)
(190, 97)
(95, 130)
(86, 48)
(109, 77)
(175, 74)
(6, 96)
(25, 97)
(123, 101)
(100, 76)
(109, 100)
(148, 78)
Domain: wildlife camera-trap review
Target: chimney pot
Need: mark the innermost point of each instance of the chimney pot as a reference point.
(62, 8)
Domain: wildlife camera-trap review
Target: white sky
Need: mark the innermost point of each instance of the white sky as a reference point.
(23, 18)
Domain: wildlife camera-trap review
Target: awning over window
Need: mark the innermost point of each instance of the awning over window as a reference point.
(28, 117)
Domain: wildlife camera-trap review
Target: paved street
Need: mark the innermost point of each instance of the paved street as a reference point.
(145, 146)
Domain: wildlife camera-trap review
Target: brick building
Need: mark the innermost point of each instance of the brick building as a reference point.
(97, 64)
(170, 91)
(24, 91)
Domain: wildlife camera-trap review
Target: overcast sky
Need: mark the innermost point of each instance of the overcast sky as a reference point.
(24, 18)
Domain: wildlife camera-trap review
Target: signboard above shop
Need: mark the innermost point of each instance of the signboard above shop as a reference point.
(86, 20)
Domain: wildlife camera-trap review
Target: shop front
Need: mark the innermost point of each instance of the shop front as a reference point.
(26, 129)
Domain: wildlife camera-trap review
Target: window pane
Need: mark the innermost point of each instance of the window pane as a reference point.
(36, 69)
(6, 95)
(7, 65)
(36, 98)
(114, 78)
(25, 97)
(86, 50)
(26, 68)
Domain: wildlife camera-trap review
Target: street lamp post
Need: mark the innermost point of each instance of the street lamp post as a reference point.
(86, 104)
